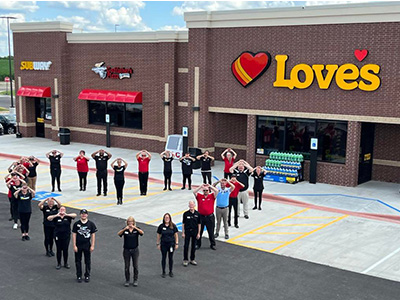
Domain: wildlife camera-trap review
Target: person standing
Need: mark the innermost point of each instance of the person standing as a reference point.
(205, 204)
(206, 160)
(143, 157)
(82, 168)
(131, 249)
(187, 170)
(167, 158)
(223, 205)
(258, 187)
(62, 233)
(55, 167)
(25, 196)
(191, 233)
(32, 176)
(167, 242)
(49, 207)
(228, 156)
(233, 200)
(242, 169)
(14, 184)
(83, 239)
(119, 177)
(101, 157)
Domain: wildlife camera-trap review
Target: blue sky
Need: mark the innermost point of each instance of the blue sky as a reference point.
(101, 16)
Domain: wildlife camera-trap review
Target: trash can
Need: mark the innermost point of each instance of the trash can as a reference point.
(65, 136)
(194, 152)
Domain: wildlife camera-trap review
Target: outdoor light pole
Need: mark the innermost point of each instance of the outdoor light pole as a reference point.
(9, 57)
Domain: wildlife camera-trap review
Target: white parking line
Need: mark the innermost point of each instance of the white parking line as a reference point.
(380, 261)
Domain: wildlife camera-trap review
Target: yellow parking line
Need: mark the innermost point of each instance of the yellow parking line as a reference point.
(260, 242)
(308, 233)
(279, 233)
(287, 225)
(315, 217)
(160, 219)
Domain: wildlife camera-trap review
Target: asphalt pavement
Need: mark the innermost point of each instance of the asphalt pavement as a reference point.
(230, 272)
(5, 101)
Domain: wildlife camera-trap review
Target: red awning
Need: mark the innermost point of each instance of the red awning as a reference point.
(34, 91)
(111, 96)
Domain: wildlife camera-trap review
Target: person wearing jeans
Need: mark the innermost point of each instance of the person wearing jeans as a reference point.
(83, 239)
(191, 233)
(82, 168)
(101, 157)
(223, 205)
(143, 157)
(131, 235)
(32, 176)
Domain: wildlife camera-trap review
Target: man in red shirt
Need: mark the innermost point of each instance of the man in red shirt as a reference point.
(205, 206)
(233, 200)
(143, 158)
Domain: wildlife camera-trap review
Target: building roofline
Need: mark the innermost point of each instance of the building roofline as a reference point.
(53, 26)
(129, 37)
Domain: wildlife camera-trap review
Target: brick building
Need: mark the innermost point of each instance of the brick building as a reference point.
(254, 80)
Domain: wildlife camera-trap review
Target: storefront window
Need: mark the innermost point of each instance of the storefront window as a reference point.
(97, 112)
(116, 112)
(133, 116)
(294, 135)
(47, 115)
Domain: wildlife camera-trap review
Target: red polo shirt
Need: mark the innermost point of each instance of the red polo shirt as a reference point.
(228, 164)
(143, 164)
(205, 205)
(236, 191)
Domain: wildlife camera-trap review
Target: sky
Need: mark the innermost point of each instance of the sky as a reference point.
(102, 16)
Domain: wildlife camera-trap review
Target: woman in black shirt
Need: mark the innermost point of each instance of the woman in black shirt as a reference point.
(167, 242)
(55, 167)
(258, 186)
(119, 177)
(49, 206)
(167, 158)
(62, 233)
(187, 169)
(33, 163)
(24, 196)
(131, 249)
(206, 160)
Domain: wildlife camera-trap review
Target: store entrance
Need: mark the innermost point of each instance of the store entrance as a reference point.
(366, 152)
(40, 105)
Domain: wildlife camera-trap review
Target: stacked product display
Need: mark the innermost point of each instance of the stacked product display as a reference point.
(284, 167)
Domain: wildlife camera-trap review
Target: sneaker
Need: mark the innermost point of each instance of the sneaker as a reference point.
(164, 189)
(84, 189)
(255, 207)
(27, 237)
(98, 194)
(171, 274)
(216, 235)
(236, 226)
(67, 266)
(52, 253)
(59, 190)
(126, 283)
(15, 226)
(163, 275)
(185, 263)
(169, 189)
(227, 236)
(246, 216)
(182, 188)
(23, 238)
(58, 267)
(87, 279)
(105, 194)
(229, 224)
(80, 189)
(10, 219)
(52, 190)
(189, 188)
(213, 247)
(79, 279)
(135, 283)
(193, 262)
(259, 208)
(48, 253)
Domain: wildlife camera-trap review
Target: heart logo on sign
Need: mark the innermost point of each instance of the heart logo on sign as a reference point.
(248, 66)
(360, 54)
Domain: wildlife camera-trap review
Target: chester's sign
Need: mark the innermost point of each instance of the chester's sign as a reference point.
(248, 67)
(35, 65)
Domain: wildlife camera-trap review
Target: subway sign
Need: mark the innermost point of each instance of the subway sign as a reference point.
(35, 65)
(248, 67)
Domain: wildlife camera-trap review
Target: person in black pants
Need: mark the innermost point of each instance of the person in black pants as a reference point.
(258, 187)
(206, 160)
(62, 233)
(191, 233)
(143, 157)
(49, 207)
(233, 200)
(167, 242)
(187, 170)
(167, 158)
(119, 178)
(101, 157)
(14, 184)
(83, 239)
(32, 176)
(82, 168)
(25, 196)
(131, 249)
(55, 167)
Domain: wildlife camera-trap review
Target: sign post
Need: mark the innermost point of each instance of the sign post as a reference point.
(185, 133)
(108, 135)
(313, 160)
(7, 80)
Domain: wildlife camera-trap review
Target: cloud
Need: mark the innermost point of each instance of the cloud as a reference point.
(311, 3)
(188, 6)
(26, 6)
(172, 28)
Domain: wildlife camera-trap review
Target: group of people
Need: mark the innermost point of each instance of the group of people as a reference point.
(215, 203)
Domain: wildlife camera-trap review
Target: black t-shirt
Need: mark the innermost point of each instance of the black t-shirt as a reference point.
(131, 239)
(83, 232)
(191, 220)
(167, 163)
(258, 180)
(55, 161)
(47, 211)
(119, 173)
(32, 170)
(101, 162)
(62, 228)
(243, 178)
(187, 166)
(167, 234)
(205, 163)
(24, 202)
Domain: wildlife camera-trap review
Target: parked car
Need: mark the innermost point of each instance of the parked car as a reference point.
(1, 129)
(9, 123)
